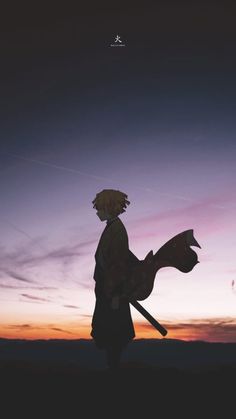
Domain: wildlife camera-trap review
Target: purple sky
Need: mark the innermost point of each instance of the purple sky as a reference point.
(155, 120)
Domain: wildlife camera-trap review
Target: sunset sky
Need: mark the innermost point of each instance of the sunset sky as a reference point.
(154, 119)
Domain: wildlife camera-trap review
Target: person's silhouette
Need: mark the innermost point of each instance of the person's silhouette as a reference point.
(112, 326)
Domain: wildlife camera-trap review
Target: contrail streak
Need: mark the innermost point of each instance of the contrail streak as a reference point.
(67, 169)
(24, 233)
(181, 198)
(55, 166)
(17, 228)
(110, 180)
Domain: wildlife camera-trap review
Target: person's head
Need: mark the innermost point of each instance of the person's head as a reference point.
(109, 203)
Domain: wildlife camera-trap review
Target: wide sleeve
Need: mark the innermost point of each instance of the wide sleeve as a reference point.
(116, 263)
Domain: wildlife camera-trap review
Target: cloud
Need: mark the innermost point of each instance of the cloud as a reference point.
(58, 329)
(220, 200)
(20, 287)
(43, 288)
(19, 277)
(70, 306)
(210, 214)
(21, 231)
(207, 329)
(60, 253)
(27, 326)
(22, 326)
(4, 286)
(23, 257)
(13, 264)
(34, 297)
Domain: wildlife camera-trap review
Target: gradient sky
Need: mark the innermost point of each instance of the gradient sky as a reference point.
(154, 119)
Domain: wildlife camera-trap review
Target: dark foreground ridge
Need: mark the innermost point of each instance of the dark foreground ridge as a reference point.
(155, 375)
(149, 352)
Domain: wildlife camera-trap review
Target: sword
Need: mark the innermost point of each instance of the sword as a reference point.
(148, 316)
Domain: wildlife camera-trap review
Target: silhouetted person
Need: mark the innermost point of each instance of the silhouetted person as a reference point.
(122, 278)
(112, 326)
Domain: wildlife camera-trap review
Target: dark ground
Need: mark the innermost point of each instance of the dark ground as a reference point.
(46, 378)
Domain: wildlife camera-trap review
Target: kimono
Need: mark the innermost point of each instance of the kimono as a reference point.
(112, 327)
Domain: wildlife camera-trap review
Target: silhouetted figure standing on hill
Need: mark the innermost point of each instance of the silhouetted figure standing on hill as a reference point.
(121, 278)
(112, 326)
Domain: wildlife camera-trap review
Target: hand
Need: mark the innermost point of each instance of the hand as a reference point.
(115, 302)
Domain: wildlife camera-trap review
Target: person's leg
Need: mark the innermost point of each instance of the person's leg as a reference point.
(113, 355)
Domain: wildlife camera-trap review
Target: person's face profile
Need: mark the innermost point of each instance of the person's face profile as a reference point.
(103, 215)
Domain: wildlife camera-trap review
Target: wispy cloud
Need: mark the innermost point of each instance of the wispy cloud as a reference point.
(34, 297)
(30, 287)
(13, 287)
(210, 214)
(58, 329)
(14, 263)
(32, 241)
(22, 326)
(22, 257)
(226, 198)
(70, 306)
(28, 327)
(19, 277)
(208, 329)
(43, 288)
(16, 228)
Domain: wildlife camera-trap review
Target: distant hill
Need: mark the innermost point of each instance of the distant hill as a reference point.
(52, 375)
(147, 352)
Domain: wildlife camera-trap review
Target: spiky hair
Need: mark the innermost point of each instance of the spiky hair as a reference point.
(112, 201)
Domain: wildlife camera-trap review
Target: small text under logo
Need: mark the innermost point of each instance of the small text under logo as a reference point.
(117, 42)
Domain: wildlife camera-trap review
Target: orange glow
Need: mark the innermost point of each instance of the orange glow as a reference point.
(212, 330)
(45, 332)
